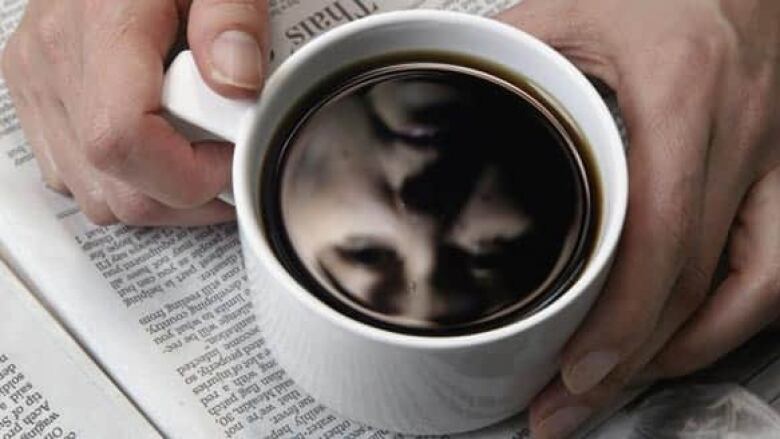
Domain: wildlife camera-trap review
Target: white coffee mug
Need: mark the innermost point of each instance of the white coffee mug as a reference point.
(400, 382)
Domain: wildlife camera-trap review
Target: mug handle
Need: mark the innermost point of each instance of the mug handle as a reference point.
(198, 112)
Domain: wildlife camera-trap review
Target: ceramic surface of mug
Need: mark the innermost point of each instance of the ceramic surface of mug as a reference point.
(410, 381)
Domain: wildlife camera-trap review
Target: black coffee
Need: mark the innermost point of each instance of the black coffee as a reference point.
(431, 199)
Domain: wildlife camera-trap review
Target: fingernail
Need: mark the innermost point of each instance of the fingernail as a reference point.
(237, 60)
(563, 422)
(590, 371)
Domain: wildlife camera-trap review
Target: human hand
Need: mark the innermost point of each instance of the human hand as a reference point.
(699, 85)
(86, 79)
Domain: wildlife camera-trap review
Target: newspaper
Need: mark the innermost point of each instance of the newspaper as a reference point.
(37, 397)
(165, 311)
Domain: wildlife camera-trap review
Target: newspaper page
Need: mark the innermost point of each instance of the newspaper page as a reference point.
(165, 311)
(49, 388)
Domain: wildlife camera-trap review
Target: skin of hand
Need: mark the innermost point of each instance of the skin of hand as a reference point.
(698, 82)
(86, 79)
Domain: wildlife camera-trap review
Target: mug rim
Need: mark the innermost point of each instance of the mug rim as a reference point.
(248, 210)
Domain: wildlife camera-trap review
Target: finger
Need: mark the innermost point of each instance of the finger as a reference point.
(17, 71)
(32, 127)
(120, 129)
(545, 418)
(59, 30)
(229, 39)
(748, 300)
(725, 191)
(707, 264)
(557, 413)
(670, 138)
(82, 180)
(134, 208)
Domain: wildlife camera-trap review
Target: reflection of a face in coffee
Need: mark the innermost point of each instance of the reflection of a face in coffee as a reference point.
(431, 201)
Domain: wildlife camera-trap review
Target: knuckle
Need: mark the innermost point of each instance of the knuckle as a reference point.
(675, 220)
(690, 299)
(627, 329)
(102, 219)
(137, 209)
(757, 114)
(50, 34)
(98, 213)
(707, 38)
(191, 196)
(9, 55)
(768, 284)
(611, 386)
(682, 360)
(235, 13)
(667, 203)
(705, 48)
(55, 183)
(103, 144)
(634, 334)
(94, 207)
(615, 382)
(691, 290)
(696, 49)
(19, 54)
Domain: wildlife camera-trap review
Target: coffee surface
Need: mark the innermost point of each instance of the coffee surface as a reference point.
(431, 200)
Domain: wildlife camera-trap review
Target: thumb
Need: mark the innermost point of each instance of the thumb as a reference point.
(229, 39)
